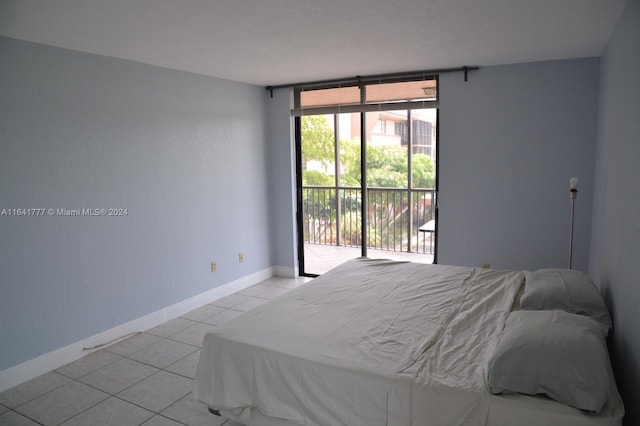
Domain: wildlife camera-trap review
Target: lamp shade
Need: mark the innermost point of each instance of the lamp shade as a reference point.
(573, 183)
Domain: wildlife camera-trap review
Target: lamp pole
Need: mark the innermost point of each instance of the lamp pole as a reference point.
(573, 193)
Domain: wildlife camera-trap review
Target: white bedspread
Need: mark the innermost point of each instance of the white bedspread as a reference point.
(372, 342)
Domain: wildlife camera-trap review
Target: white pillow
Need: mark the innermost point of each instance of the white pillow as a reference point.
(555, 353)
(565, 289)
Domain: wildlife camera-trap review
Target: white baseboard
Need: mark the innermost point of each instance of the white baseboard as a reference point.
(285, 271)
(28, 370)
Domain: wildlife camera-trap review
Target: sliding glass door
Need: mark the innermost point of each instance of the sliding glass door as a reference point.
(371, 196)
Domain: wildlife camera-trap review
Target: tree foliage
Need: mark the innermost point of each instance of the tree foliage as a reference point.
(387, 165)
(317, 139)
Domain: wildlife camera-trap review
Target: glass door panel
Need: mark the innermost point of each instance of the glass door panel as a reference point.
(423, 181)
(366, 178)
(401, 170)
(331, 191)
(349, 181)
(387, 181)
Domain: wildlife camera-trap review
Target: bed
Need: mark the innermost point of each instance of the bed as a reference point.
(380, 342)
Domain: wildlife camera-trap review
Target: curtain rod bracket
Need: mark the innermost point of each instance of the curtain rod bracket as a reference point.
(270, 89)
(466, 72)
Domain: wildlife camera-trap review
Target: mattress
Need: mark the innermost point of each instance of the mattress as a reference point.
(374, 342)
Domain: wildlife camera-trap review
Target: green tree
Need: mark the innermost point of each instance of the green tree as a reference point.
(317, 139)
(424, 173)
(317, 145)
(387, 166)
(316, 178)
(350, 162)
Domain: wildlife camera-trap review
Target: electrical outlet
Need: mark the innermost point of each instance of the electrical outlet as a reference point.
(486, 265)
(240, 257)
(214, 267)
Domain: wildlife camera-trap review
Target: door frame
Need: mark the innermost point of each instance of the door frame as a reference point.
(363, 185)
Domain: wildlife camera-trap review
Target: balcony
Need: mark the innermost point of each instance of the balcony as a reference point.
(396, 220)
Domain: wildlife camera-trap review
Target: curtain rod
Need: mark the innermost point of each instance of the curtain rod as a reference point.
(369, 78)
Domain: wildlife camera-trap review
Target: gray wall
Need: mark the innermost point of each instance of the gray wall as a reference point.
(510, 139)
(615, 243)
(185, 154)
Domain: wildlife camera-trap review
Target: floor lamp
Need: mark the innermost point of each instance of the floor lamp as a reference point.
(573, 193)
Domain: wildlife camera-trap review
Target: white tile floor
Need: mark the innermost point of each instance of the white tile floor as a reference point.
(144, 380)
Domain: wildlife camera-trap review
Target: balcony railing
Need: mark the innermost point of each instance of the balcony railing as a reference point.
(332, 216)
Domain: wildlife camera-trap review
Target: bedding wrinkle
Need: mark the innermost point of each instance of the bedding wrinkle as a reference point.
(543, 348)
(493, 308)
(565, 287)
(388, 339)
(368, 310)
(483, 303)
(448, 317)
(459, 360)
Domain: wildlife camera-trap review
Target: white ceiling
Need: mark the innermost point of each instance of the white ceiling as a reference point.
(270, 42)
